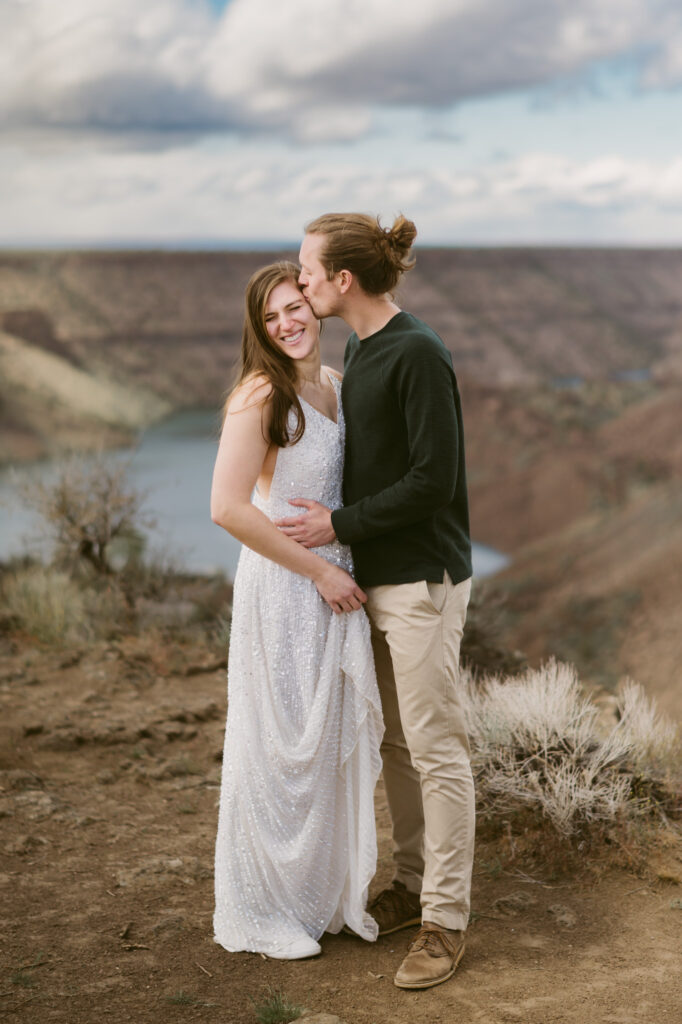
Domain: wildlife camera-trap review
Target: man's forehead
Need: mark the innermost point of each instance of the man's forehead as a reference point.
(311, 245)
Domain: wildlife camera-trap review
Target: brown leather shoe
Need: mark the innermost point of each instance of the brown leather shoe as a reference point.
(432, 957)
(396, 908)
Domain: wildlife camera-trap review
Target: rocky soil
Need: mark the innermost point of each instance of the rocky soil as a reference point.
(109, 775)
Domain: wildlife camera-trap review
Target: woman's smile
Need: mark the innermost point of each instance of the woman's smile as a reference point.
(291, 339)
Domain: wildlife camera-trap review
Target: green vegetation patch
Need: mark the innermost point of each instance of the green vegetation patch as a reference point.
(275, 1008)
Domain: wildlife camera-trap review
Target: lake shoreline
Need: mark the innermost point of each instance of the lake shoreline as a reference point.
(172, 462)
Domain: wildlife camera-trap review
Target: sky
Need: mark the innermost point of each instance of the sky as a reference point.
(233, 122)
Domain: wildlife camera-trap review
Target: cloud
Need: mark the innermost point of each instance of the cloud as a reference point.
(307, 73)
(108, 65)
(196, 193)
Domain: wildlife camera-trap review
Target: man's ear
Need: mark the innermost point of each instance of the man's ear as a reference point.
(345, 280)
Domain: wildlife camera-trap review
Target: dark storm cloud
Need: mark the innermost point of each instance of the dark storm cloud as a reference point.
(175, 67)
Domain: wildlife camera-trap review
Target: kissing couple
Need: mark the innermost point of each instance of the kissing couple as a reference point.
(349, 498)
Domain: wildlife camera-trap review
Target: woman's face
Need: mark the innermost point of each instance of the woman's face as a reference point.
(290, 321)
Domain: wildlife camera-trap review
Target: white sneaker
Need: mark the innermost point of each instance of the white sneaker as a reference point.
(297, 949)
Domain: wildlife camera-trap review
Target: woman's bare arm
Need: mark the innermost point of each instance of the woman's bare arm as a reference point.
(241, 454)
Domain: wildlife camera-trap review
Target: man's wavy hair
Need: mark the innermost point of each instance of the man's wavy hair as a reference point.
(377, 257)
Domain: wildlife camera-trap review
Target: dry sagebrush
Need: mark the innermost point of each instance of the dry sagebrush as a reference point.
(536, 742)
(87, 511)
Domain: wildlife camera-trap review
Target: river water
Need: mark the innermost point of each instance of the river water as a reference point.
(172, 465)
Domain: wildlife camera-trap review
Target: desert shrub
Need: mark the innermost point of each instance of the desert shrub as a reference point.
(46, 603)
(92, 516)
(536, 744)
(653, 739)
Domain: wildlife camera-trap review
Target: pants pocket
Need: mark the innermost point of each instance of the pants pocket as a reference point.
(436, 594)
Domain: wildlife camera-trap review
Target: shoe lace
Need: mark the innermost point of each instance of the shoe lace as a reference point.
(433, 941)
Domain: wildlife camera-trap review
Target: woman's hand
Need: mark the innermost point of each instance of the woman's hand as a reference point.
(339, 589)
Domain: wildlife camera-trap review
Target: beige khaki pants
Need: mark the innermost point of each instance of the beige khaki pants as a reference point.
(416, 634)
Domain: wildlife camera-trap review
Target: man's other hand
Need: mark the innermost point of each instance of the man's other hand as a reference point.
(313, 528)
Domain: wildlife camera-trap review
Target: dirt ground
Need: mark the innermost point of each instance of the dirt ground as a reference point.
(110, 768)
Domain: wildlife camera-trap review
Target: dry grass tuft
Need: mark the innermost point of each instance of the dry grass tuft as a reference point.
(536, 744)
(275, 1008)
(46, 603)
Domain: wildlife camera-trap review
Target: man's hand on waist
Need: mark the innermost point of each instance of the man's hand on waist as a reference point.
(312, 529)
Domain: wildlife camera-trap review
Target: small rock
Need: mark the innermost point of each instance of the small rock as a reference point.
(93, 697)
(25, 844)
(207, 712)
(65, 738)
(16, 778)
(71, 659)
(105, 777)
(83, 821)
(676, 904)
(33, 729)
(36, 805)
(175, 731)
(563, 915)
(514, 903)
(177, 768)
(169, 924)
(112, 733)
(212, 666)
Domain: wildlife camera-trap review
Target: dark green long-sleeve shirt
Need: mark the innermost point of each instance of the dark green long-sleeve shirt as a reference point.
(405, 511)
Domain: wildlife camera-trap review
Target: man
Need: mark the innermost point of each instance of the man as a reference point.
(406, 519)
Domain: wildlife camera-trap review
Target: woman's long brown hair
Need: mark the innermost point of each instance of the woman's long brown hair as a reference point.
(260, 356)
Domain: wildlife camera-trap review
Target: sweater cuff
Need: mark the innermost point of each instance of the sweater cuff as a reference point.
(342, 521)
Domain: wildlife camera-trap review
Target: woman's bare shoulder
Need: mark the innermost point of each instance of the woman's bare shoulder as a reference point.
(253, 392)
(334, 373)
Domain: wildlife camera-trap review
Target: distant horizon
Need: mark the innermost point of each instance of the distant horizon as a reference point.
(277, 245)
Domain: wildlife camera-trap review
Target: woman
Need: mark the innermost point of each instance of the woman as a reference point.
(296, 845)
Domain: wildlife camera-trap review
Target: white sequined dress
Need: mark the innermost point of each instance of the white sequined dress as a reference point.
(296, 844)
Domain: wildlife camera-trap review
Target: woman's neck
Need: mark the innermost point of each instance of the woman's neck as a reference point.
(309, 372)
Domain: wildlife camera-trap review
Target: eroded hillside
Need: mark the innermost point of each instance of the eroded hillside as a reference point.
(169, 324)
